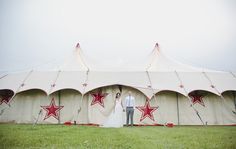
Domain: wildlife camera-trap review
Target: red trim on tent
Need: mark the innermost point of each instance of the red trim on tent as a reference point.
(91, 124)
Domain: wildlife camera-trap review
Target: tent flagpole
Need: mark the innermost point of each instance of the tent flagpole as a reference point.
(86, 79)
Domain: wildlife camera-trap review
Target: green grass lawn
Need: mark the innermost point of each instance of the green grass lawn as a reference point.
(60, 136)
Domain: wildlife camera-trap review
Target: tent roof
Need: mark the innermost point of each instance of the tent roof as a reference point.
(156, 61)
(159, 62)
(160, 73)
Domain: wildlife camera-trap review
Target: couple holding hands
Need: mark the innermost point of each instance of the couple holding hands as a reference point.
(115, 119)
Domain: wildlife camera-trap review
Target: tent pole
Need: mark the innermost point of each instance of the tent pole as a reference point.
(82, 98)
(80, 107)
(191, 105)
(177, 97)
(234, 92)
(153, 92)
(234, 100)
(59, 100)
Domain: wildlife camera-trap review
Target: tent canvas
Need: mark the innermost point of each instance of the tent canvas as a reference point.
(176, 93)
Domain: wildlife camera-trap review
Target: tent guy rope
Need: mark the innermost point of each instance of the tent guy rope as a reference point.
(18, 89)
(221, 96)
(189, 99)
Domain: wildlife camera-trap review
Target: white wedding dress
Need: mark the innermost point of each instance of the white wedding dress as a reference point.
(115, 119)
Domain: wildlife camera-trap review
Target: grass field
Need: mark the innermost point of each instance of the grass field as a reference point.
(60, 136)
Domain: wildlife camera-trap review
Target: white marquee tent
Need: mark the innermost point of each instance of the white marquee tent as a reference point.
(165, 91)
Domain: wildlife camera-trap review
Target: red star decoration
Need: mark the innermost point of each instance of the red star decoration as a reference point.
(52, 110)
(5, 99)
(98, 98)
(197, 98)
(147, 111)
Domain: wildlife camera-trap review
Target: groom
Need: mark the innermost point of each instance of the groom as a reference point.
(130, 105)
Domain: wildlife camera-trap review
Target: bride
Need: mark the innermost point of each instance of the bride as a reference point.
(115, 119)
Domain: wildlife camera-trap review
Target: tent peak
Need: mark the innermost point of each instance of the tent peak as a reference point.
(78, 45)
(75, 62)
(157, 45)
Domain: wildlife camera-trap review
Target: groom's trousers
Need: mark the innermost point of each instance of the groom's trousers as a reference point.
(129, 115)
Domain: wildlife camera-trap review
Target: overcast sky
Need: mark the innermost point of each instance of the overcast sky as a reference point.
(34, 33)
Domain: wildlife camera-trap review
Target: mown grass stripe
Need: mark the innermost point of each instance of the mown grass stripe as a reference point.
(60, 136)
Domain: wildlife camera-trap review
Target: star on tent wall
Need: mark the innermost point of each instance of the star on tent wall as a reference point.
(197, 98)
(5, 99)
(98, 98)
(147, 111)
(52, 110)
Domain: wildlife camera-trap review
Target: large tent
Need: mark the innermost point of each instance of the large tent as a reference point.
(165, 91)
